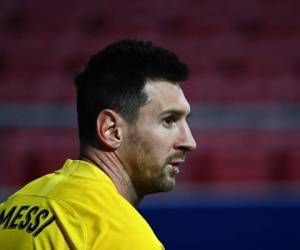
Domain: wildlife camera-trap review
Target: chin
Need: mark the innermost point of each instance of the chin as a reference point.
(168, 189)
(168, 185)
(163, 183)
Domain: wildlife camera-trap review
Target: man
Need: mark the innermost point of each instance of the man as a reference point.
(133, 137)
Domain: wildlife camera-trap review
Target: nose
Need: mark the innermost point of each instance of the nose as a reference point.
(186, 141)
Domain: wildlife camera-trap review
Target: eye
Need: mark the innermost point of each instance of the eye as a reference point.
(169, 121)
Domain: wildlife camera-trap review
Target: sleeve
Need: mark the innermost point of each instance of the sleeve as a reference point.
(66, 232)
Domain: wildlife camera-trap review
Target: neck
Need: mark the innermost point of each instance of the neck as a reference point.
(112, 166)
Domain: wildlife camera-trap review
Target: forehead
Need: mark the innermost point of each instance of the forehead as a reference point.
(164, 95)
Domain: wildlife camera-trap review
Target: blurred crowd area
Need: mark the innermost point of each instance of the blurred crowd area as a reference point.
(244, 88)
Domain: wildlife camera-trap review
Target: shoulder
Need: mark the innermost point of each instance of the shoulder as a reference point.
(82, 210)
(39, 223)
(107, 217)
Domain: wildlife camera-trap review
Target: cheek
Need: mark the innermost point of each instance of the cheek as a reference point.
(159, 135)
(155, 142)
(155, 155)
(159, 141)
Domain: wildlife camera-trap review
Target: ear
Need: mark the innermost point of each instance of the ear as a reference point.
(109, 128)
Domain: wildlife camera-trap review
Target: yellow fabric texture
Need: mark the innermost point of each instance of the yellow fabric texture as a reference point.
(76, 207)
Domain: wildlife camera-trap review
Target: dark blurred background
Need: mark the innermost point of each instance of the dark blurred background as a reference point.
(240, 189)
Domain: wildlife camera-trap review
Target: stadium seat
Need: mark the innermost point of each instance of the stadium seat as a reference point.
(30, 153)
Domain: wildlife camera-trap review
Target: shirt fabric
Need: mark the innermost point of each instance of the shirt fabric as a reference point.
(76, 207)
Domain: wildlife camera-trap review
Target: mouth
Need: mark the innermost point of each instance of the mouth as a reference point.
(174, 166)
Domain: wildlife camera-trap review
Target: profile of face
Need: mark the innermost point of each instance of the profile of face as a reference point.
(157, 143)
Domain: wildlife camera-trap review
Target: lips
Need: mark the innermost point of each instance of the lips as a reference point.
(175, 169)
(175, 166)
(176, 163)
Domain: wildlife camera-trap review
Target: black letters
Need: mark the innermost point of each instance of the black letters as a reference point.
(44, 213)
(18, 215)
(6, 218)
(40, 229)
(32, 210)
(34, 221)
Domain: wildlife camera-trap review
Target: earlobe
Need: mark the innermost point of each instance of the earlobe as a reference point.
(109, 128)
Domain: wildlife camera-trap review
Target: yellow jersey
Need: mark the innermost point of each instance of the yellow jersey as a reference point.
(76, 207)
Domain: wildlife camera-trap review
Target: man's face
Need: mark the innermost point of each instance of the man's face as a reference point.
(156, 144)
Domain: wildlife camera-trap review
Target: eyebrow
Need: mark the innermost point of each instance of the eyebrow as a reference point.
(176, 112)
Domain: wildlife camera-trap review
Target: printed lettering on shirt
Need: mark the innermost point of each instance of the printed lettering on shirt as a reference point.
(32, 219)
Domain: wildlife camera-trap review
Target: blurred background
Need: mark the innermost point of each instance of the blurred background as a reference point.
(240, 189)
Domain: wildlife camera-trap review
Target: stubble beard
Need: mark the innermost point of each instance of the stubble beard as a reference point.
(148, 174)
(152, 175)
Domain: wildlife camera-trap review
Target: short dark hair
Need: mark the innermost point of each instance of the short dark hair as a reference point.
(115, 77)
